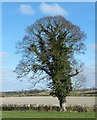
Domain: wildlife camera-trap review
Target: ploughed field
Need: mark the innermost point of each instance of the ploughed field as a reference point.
(48, 100)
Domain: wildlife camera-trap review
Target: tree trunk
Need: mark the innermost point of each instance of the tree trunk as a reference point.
(62, 105)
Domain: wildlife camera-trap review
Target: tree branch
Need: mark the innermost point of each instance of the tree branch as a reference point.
(74, 74)
(46, 71)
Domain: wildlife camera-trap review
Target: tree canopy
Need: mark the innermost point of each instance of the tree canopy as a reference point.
(50, 46)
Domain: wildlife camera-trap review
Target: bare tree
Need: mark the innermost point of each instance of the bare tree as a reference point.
(79, 81)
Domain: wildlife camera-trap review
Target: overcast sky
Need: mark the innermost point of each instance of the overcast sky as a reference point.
(17, 16)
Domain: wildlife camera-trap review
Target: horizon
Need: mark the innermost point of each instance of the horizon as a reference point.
(48, 90)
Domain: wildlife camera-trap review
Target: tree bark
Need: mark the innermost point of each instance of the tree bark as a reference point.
(62, 105)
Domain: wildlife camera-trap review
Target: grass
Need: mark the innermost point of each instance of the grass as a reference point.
(35, 114)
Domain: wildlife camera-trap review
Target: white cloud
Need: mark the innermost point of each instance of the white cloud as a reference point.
(93, 46)
(6, 74)
(52, 9)
(3, 54)
(27, 9)
(9, 82)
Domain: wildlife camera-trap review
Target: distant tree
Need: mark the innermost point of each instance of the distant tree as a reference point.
(50, 47)
(79, 81)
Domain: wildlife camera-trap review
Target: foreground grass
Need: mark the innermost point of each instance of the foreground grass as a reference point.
(35, 114)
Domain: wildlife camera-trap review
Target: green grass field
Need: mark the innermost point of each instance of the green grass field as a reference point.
(35, 114)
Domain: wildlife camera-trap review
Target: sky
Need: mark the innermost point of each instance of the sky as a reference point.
(16, 16)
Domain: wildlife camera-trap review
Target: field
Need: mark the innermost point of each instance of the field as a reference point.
(49, 100)
(30, 114)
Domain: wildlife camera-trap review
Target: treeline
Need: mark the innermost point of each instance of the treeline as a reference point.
(81, 92)
(27, 93)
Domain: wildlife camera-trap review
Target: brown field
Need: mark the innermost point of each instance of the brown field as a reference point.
(48, 100)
